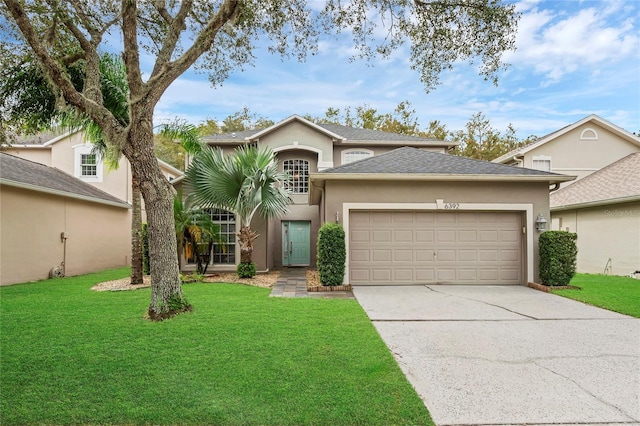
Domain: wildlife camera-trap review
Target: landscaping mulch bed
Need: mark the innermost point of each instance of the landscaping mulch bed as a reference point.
(313, 284)
(547, 288)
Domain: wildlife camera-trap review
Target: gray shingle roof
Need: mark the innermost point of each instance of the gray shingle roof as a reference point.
(617, 181)
(38, 138)
(26, 173)
(350, 134)
(409, 160)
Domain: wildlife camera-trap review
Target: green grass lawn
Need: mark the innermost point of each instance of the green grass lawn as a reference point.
(619, 294)
(70, 355)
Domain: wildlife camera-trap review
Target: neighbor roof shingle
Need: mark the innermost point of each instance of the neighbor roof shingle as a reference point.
(409, 160)
(616, 181)
(28, 173)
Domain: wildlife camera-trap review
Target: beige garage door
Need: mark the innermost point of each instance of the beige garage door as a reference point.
(417, 247)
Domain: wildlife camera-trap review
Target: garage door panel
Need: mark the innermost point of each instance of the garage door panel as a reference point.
(403, 236)
(360, 236)
(403, 255)
(405, 247)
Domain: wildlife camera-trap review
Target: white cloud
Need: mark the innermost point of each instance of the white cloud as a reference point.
(556, 42)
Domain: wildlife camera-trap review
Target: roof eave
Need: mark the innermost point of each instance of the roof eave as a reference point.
(318, 177)
(596, 203)
(45, 190)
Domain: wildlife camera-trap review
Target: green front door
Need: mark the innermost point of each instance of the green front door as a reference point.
(295, 243)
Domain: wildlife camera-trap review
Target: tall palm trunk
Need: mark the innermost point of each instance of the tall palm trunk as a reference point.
(167, 298)
(246, 237)
(136, 232)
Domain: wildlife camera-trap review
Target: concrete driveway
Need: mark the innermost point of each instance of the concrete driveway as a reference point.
(510, 355)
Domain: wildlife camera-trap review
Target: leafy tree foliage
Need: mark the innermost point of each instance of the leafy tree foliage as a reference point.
(237, 122)
(218, 37)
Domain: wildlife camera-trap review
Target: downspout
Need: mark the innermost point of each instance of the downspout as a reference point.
(555, 187)
(519, 161)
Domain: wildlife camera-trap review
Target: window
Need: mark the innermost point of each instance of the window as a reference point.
(541, 162)
(299, 172)
(224, 254)
(352, 155)
(88, 165)
(589, 135)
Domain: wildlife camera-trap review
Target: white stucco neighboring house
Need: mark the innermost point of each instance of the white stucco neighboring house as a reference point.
(604, 210)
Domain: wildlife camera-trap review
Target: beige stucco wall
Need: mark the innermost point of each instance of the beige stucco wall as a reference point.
(572, 156)
(536, 194)
(298, 135)
(604, 232)
(98, 236)
(42, 156)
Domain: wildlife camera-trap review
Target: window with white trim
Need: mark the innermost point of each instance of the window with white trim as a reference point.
(349, 156)
(87, 164)
(224, 253)
(541, 162)
(298, 170)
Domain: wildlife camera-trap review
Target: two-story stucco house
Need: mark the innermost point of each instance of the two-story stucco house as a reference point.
(578, 149)
(62, 206)
(412, 212)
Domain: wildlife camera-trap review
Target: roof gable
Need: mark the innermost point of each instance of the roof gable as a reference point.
(18, 172)
(616, 182)
(336, 132)
(42, 139)
(618, 131)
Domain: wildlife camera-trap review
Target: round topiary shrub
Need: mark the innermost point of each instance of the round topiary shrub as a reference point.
(558, 254)
(246, 270)
(332, 254)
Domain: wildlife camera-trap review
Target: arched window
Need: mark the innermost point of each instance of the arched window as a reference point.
(299, 172)
(351, 155)
(589, 135)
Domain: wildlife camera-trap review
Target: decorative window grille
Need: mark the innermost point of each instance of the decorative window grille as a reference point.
(351, 156)
(88, 165)
(298, 170)
(224, 254)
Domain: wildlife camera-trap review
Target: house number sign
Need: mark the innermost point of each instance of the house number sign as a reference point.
(447, 206)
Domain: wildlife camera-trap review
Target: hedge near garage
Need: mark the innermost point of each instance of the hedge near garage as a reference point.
(558, 254)
(332, 254)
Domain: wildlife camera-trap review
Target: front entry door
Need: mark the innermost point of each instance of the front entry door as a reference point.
(295, 243)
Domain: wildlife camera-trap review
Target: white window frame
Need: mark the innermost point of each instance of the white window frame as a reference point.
(541, 158)
(589, 134)
(300, 185)
(343, 159)
(78, 152)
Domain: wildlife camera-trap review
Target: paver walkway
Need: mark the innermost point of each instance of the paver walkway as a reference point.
(292, 282)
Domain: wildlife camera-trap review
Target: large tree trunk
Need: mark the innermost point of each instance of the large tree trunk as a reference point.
(166, 291)
(246, 236)
(136, 232)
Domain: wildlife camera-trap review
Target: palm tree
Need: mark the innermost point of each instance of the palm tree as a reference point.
(195, 232)
(244, 183)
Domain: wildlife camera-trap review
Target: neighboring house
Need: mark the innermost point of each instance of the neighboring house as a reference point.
(413, 214)
(71, 153)
(51, 218)
(578, 149)
(604, 210)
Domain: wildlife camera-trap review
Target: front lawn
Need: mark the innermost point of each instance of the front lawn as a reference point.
(619, 294)
(70, 355)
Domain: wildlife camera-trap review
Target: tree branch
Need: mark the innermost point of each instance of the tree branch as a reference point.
(131, 54)
(173, 35)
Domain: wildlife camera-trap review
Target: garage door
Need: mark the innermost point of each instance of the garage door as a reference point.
(418, 247)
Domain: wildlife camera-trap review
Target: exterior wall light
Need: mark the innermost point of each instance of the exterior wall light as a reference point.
(541, 223)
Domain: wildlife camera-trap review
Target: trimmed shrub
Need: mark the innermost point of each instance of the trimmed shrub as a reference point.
(558, 254)
(246, 270)
(332, 254)
(146, 268)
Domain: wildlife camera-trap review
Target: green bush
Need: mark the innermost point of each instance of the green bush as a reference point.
(558, 253)
(146, 269)
(246, 270)
(331, 254)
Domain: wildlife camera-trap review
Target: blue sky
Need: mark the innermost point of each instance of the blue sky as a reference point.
(573, 58)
